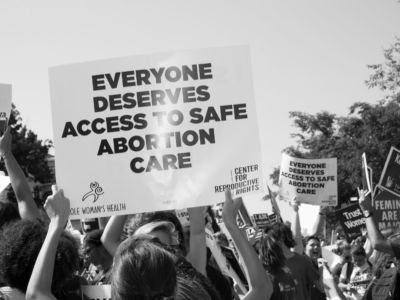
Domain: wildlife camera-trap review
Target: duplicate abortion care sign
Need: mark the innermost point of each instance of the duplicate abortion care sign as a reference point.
(155, 132)
(312, 181)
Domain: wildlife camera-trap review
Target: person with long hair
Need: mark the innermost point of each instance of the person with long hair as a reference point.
(274, 262)
(142, 270)
(260, 285)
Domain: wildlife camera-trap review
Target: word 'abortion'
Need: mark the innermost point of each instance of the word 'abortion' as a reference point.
(307, 177)
(157, 140)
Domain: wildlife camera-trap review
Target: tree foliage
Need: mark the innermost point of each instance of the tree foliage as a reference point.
(369, 128)
(30, 152)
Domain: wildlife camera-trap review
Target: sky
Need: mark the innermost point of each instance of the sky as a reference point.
(307, 55)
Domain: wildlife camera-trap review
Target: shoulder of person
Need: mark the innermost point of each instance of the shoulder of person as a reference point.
(395, 244)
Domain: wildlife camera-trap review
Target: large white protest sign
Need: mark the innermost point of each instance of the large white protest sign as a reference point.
(312, 181)
(155, 132)
(5, 106)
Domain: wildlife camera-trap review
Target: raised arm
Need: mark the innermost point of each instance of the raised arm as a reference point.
(197, 255)
(296, 227)
(318, 226)
(112, 234)
(378, 241)
(330, 286)
(367, 245)
(39, 286)
(260, 285)
(26, 206)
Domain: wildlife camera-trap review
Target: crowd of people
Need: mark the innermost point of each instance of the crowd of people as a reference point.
(151, 256)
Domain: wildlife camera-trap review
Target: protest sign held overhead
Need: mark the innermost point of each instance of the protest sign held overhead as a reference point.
(386, 209)
(390, 177)
(263, 220)
(351, 218)
(312, 181)
(366, 175)
(155, 132)
(5, 106)
(183, 216)
(275, 207)
(4, 182)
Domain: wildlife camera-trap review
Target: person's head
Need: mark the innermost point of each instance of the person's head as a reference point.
(89, 225)
(169, 216)
(142, 269)
(8, 213)
(163, 230)
(271, 254)
(281, 233)
(359, 256)
(20, 243)
(312, 247)
(94, 251)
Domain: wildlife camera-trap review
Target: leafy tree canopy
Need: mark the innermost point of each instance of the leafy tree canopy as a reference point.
(369, 128)
(30, 152)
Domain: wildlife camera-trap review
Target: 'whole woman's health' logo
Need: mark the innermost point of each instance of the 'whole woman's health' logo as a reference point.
(95, 192)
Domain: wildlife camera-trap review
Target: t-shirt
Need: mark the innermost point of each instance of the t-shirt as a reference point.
(360, 279)
(316, 293)
(284, 285)
(304, 273)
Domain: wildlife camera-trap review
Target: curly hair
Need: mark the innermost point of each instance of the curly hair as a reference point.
(20, 243)
(92, 240)
(8, 213)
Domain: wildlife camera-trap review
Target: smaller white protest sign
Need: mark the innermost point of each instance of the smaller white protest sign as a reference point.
(4, 182)
(5, 106)
(312, 181)
(183, 217)
(225, 262)
(96, 292)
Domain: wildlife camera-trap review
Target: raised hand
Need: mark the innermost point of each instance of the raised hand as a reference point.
(231, 207)
(295, 204)
(57, 207)
(363, 201)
